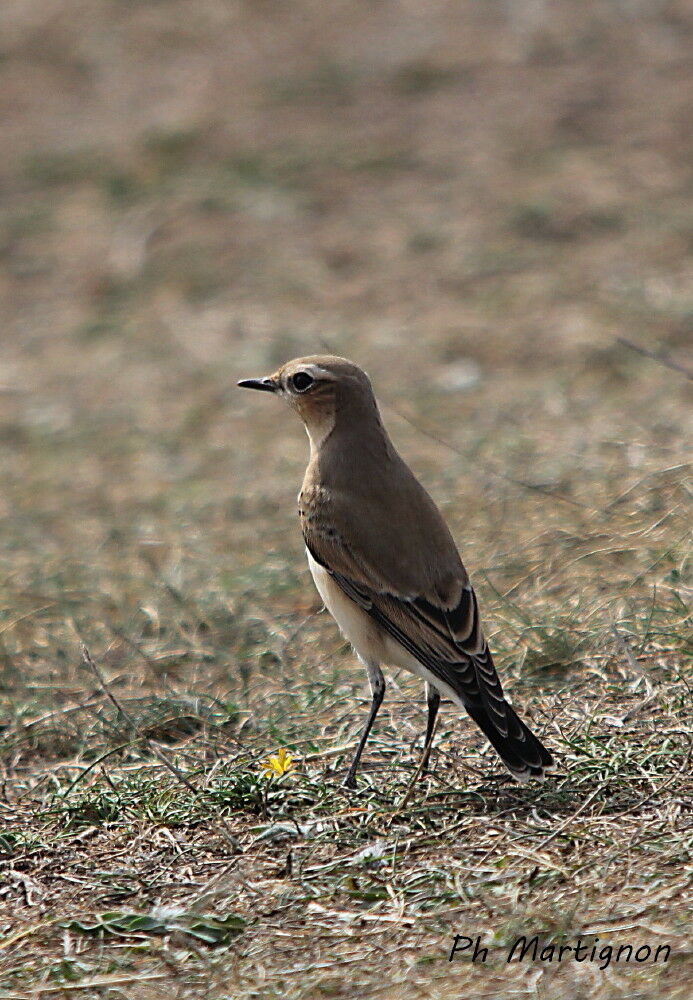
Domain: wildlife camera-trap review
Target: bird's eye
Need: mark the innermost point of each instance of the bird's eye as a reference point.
(301, 381)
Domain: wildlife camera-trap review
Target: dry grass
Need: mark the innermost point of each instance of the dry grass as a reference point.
(474, 205)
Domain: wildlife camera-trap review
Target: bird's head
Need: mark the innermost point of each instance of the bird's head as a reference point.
(322, 389)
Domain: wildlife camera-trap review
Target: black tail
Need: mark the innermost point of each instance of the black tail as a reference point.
(521, 752)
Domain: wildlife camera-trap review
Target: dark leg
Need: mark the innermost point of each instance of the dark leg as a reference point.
(377, 681)
(433, 702)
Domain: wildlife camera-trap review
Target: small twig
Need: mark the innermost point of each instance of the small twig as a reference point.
(212, 885)
(661, 357)
(124, 637)
(25, 932)
(324, 754)
(566, 822)
(86, 656)
(152, 747)
(486, 469)
(101, 982)
(95, 763)
(639, 671)
(489, 470)
(6, 626)
(410, 788)
(68, 710)
(288, 639)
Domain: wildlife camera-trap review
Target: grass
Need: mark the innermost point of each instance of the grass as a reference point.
(466, 205)
(216, 669)
(601, 849)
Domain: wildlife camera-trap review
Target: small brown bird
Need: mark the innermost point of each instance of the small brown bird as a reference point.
(385, 563)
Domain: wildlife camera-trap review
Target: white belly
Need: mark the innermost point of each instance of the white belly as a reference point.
(371, 644)
(354, 624)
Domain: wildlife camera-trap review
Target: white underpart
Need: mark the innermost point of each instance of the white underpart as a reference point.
(371, 644)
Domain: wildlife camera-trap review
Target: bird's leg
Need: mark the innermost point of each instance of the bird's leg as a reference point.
(433, 702)
(377, 682)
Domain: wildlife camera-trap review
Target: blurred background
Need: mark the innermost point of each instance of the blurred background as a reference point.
(471, 200)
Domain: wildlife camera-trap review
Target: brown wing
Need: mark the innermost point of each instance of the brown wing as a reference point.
(447, 641)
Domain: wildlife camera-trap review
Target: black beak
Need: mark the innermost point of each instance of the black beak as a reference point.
(264, 384)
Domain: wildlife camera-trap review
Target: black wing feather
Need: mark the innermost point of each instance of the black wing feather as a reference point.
(457, 654)
(471, 672)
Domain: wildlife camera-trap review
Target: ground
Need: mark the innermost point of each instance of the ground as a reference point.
(474, 201)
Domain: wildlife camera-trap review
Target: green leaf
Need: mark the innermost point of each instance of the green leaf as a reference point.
(210, 929)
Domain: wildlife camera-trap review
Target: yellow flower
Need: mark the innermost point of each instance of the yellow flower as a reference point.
(277, 764)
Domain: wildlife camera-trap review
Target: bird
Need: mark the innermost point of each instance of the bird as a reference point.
(386, 565)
